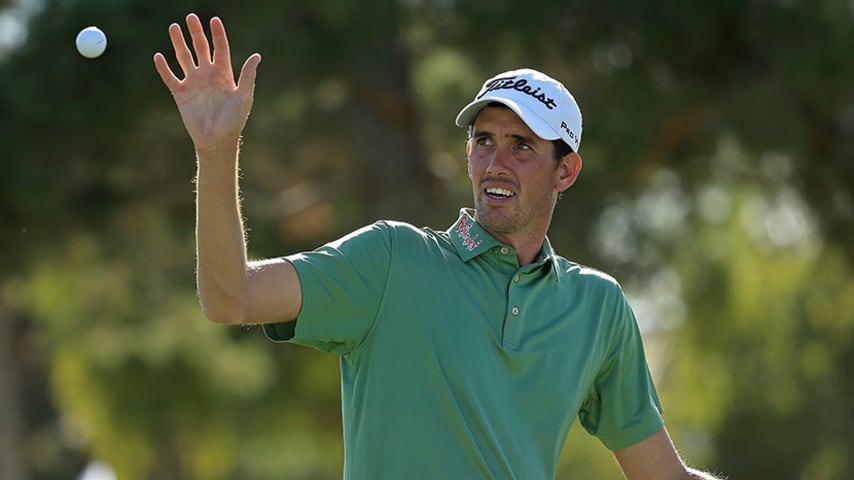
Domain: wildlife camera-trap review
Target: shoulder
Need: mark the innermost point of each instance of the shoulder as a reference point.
(380, 230)
(585, 275)
(596, 290)
(398, 227)
(393, 235)
(408, 234)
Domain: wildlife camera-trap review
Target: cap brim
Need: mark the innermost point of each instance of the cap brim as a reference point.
(533, 121)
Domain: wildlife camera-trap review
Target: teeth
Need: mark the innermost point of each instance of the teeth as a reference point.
(499, 191)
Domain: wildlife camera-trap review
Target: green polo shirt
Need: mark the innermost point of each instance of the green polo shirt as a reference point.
(457, 363)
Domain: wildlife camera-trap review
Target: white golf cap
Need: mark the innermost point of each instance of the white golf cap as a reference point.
(542, 102)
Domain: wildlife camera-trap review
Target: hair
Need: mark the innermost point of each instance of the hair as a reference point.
(561, 148)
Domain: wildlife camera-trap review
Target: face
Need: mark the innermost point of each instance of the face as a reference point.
(515, 176)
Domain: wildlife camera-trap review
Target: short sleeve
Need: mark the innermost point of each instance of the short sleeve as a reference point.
(623, 407)
(342, 284)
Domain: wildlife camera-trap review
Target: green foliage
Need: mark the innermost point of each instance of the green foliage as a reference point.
(717, 186)
(785, 318)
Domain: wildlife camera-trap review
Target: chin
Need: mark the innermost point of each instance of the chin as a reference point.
(494, 221)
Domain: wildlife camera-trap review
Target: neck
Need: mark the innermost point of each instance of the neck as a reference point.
(527, 247)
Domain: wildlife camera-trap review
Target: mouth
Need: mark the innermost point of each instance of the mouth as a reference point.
(498, 193)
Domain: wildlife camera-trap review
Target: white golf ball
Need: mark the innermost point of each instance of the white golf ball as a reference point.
(91, 42)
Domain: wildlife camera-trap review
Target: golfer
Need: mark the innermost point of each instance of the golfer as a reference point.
(466, 353)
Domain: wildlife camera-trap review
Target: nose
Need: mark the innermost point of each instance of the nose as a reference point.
(498, 162)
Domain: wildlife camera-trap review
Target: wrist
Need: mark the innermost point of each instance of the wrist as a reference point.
(227, 145)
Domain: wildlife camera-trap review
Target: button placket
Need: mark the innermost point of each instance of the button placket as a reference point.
(513, 320)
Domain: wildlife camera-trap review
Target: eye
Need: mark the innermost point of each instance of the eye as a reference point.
(523, 146)
(482, 141)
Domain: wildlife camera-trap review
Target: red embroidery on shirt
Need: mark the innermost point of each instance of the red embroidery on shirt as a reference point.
(464, 231)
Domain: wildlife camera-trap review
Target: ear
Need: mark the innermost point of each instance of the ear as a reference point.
(568, 170)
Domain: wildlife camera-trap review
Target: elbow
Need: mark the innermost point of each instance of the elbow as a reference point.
(219, 304)
(224, 318)
(222, 312)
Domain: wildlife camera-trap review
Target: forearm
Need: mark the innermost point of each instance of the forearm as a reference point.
(214, 110)
(656, 458)
(220, 241)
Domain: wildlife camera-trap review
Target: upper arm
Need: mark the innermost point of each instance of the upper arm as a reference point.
(654, 458)
(273, 292)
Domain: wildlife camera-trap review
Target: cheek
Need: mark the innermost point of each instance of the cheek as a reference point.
(545, 184)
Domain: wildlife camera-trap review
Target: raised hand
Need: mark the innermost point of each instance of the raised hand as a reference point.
(214, 109)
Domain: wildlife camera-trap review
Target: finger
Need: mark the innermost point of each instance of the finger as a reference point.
(248, 73)
(182, 52)
(221, 52)
(200, 41)
(165, 72)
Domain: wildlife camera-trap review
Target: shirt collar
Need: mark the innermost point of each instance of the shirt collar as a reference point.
(471, 240)
(548, 258)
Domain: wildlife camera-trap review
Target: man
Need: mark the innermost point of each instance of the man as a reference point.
(465, 354)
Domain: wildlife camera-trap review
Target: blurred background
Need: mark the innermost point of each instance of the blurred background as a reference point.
(718, 188)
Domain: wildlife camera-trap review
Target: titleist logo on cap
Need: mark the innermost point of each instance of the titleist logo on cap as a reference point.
(521, 85)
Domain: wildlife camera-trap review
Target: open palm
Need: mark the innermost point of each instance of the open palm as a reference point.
(214, 109)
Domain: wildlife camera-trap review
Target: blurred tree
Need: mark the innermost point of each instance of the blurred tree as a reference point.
(749, 324)
(11, 427)
(771, 331)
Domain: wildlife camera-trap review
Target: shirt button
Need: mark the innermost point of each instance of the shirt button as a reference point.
(504, 251)
(515, 311)
(516, 277)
